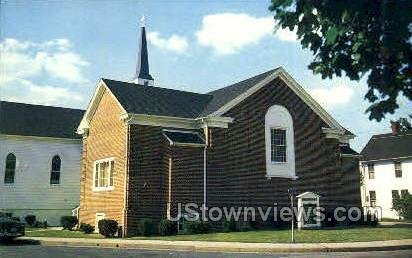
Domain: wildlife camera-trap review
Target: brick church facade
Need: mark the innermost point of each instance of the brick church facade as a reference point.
(146, 148)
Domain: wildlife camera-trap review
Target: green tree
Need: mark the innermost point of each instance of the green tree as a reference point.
(403, 206)
(356, 38)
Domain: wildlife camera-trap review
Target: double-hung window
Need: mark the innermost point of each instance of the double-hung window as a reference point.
(278, 145)
(395, 195)
(371, 171)
(103, 174)
(372, 198)
(398, 169)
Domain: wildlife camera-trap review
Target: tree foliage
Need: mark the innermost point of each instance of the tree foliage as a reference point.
(356, 38)
(403, 206)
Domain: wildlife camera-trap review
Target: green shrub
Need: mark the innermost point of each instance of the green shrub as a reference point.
(40, 224)
(196, 227)
(16, 218)
(68, 222)
(167, 227)
(107, 227)
(229, 225)
(86, 228)
(371, 220)
(403, 206)
(30, 219)
(146, 227)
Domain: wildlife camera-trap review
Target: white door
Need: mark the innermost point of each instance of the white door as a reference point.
(99, 216)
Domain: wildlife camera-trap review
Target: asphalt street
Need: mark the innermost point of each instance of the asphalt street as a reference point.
(33, 250)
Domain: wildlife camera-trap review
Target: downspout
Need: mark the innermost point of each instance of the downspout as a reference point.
(126, 182)
(206, 131)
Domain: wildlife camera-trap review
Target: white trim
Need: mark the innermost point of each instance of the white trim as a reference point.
(103, 188)
(96, 222)
(101, 88)
(40, 138)
(279, 117)
(337, 134)
(176, 122)
(294, 86)
(387, 159)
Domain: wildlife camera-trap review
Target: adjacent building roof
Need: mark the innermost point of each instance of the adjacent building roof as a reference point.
(388, 146)
(37, 120)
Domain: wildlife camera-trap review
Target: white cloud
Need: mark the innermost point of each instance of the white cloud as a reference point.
(22, 90)
(332, 96)
(28, 67)
(174, 43)
(54, 57)
(228, 33)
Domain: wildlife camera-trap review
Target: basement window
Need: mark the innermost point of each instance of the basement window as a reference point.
(103, 176)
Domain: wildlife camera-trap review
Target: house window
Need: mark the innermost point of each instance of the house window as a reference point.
(398, 169)
(395, 195)
(278, 145)
(372, 198)
(103, 174)
(55, 170)
(371, 171)
(10, 171)
(404, 192)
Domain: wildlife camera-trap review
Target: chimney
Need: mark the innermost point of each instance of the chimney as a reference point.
(395, 127)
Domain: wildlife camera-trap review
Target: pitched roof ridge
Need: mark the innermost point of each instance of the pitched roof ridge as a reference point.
(157, 87)
(244, 80)
(40, 105)
(390, 135)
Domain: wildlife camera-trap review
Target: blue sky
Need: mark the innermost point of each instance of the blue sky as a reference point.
(54, 52)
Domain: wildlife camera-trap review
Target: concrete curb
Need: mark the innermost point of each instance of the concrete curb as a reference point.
(203, 246)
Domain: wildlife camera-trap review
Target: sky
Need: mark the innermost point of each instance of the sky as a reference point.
(54, 53)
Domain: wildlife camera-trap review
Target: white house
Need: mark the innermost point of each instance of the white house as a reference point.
(40, 161)
(386, 167)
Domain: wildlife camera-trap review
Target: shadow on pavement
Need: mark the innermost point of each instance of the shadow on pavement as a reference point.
(17, 242)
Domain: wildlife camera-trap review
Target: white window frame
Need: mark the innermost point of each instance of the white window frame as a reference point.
(286, 144)
(103, 188)
(96, 221)
(278, 117)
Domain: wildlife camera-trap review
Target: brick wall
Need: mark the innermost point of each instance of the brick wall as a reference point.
(107, 138)
(236, 159)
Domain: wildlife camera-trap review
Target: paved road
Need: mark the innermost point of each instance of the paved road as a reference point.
(32, 250)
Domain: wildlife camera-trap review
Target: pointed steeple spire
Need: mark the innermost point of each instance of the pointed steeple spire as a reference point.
(142, 75)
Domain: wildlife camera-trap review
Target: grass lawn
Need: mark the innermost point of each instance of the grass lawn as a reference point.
(302, 236)
(269, 236)
(60, 233)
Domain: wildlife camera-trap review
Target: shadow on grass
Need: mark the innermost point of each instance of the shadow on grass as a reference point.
(18, 242)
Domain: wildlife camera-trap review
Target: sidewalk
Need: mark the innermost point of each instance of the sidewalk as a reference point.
(202, 246)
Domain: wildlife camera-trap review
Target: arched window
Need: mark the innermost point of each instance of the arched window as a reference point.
(10, 171)
(279, 138)
(55, 170)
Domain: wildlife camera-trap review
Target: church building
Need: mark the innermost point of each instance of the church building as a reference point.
(146, 148)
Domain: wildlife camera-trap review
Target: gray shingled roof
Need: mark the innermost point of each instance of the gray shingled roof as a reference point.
(346, 149)
(226, 94)
(159, 101)
(388, 146)
(37, 120)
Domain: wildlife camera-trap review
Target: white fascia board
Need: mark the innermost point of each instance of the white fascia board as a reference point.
(176, 122)
(93, 104)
